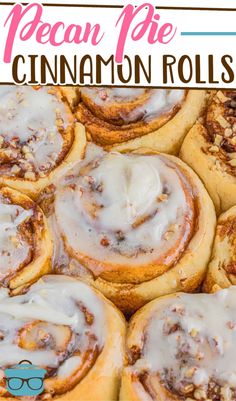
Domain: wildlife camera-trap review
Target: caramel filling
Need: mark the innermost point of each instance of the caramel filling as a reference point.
(226, 246)
(63, 335)
(125, 106)
(35, 131)
(113, 115)
(18, 237)
(127, 210)
(186, 354)
(220, 122)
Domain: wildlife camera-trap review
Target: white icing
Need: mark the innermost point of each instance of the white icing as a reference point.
(113, 94)
(14, 249)
(213, 318)
(30, 115)
(162, 101)
(61, 261)
(131, 186)
(54, 300)
(159, 102)
(69, 366)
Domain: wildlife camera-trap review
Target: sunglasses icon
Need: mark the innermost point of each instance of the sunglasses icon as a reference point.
(25, 379)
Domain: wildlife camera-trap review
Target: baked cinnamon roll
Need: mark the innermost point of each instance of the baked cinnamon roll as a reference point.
(140, 224)
(222, 268)
(182, 348)
(71, 94)
(134, 118)
(25, 240)
(38, 137)
(71, 331)
(210, 149)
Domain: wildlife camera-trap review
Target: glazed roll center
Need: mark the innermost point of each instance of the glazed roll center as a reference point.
(132, 105)
(52, 325)
(15, 242)
(31, 125)
(127, 208)
(188, 347)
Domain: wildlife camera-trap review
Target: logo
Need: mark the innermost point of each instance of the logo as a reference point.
(25, 379)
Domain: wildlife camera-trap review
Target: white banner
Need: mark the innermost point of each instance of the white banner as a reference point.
(171, 44)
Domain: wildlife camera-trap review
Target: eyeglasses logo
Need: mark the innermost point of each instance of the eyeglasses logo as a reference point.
(25, 379)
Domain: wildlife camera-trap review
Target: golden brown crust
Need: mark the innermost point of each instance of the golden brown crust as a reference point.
(210, 149)
(39, 240)
(71, 94)
(164, 133)
(222, 268)
(74, 141)
(102, 383)
(134, 387)
(139, 273)
(149, 375)
(186, 274)
(100, 380)
(33, 189)
(107, 128)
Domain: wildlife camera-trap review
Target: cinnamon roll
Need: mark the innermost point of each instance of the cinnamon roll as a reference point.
(38, 137)
(71, 94)
(210, 149)
(71, 331)
(25, 240)
(222, 267)
(182, 348)
(141, 224)
(134, 118)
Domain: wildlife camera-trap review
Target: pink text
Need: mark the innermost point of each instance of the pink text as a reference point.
(56, 34)
(149, 25)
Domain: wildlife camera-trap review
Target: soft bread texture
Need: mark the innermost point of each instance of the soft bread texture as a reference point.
(164, 133)
(220, 185)
(71, 94)
(131, 388)
(189, 271)
(156, 369)
(34, 188)
(169, 138)
(102, 380)
(222, 268)
(210, 149)
(61, 143)
(130, 292)
(42, 245)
